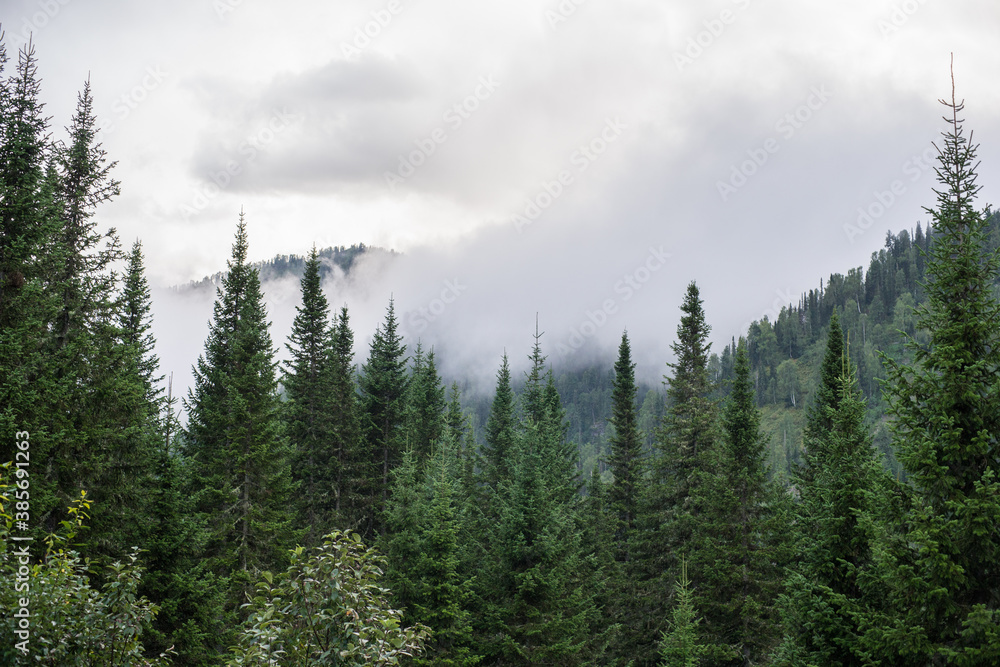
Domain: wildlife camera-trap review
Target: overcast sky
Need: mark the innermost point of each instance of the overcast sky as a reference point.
(580, 159)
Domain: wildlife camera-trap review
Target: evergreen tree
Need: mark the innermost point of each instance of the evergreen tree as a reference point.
(537, 588)
(626, 460)
(539, 610)
(309, 412)
(105, 407)
(240, 469)
(135, 321)
(383, 388)
(352, 470)
(680, 645)
(179, 579)
(627, 464)
(29, 225)
(426, 404)
(832, 590)
(739, 544)
(683, 444)
(423, 551)
(944, 570)
(819, 420)
(501, 430)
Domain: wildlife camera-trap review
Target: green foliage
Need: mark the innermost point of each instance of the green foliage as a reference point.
(351, 470)
(309, 411)
(500, 431)
(626, 460)
(942, 571)
(683, 448)
(739, 544)
(680, 645)
(423, 549)
(239, 453)
(383, 387)
(425, 405)
(69, 622)
(327, 608)
(832, 592)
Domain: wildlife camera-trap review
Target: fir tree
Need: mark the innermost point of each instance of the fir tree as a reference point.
(352, 468)
(739, 545)
(239, 453)
(135, 321)
(308, 382)
(501, 429)
(29, 225)
(944, 571)
(819, 419)
(680, 645)
(538, 590)
(683, 444)
(626, 460)
(423, 550)
(832, 590)
(426, 404)
(383, 388)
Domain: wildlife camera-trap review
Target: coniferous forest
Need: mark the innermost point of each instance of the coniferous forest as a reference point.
(823, 491)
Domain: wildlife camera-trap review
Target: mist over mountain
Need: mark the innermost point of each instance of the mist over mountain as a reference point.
(477, 299)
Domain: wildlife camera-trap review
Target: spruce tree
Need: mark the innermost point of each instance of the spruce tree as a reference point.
(352, 467)
(680, 645)
(537, 589)
(425, 404)
(135, 320)
(423, 551)
(179, 578)
(739, 546)
(29, 225)
(944, 570)
(239, 452)
(501, 429)
(819, 418)
(683, 443)
(309, 412)
(383, 387)
(832, 590)
(626, 459)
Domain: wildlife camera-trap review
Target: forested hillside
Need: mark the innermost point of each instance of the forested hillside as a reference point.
(797, 498)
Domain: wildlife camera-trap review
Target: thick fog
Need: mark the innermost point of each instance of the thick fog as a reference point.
(582, 161)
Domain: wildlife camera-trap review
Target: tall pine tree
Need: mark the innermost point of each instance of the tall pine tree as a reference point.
(309, 412)
(739, 543)
(832, 590)
(683, 443)
(383, 387)
(240, 454)
(945, 571)
(352, 466)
